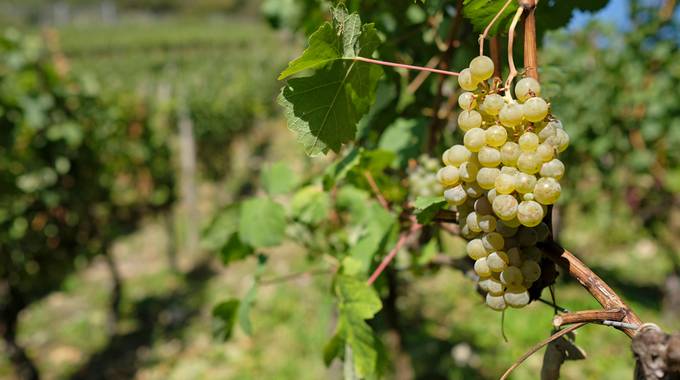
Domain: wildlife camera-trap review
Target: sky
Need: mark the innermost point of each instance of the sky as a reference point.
(615, 12)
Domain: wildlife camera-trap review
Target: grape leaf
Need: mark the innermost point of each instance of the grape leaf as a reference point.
(234, 249)
(278, 178)
(404, 137)
(311, 205)
(376, 225)
(323, 109)
(426, 208)
(357, 302)
(339, 169)
(224, 318)
(481, 12)
(261, 223)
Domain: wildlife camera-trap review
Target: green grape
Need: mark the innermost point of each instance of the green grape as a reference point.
(483, 206)
(489, 157)
(529, 213)
(528, 197)
(512, 275)
(529, 163)
(513, 222)
(487, 223)
(545, 152)
(527, 237)
(491, 286)
(456, 155)
(495, 302)
(474, 139)
(448, 176)
(473, 190)
(466, 81)
(472, 221)
(542, 232)
(553, 168)
(526, 88)
(467, 234)
(467, 101)
(475, 249)
(511, 170)
(493, 241)
(481, 267)
(505, 206)
(511, 114)
(547, 190)
(524, 183)
(516, 297)
(456, 196)
(491, 195)
(528, 142)
(505, 230)
(562, 140)
(514, 256)
(505, 183)
(496, 136)
(486, 177)
(469, 119)
(481, 68)
(548, 131)
(468, 171)
(530, 270)
(497, 261)
(510, 153)
(535, 109)
(492, 105)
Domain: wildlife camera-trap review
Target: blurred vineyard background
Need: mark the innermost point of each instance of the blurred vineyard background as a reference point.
(128, 128)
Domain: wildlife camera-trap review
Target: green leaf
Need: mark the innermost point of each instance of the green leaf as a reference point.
(339, 169)
(333, 349)
(323, 109)
(426, 208)
(404, 137)
(224, 318)
(376, 227)
(217, 234)
(481, 12)
(235, 250)
(262, 222)
(278, 178)
(311, 205)
(244, 309)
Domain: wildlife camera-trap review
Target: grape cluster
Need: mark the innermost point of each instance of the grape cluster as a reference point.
(502, 180)
(422, 177)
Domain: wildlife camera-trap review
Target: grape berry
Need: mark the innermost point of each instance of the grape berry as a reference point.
(502, 180)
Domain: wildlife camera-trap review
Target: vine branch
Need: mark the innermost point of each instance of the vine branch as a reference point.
(405, 66)
(588, 316)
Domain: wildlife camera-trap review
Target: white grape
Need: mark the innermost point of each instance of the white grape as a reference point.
(542, 232)
(511, 170)
(545, 152)
(517, 297)
(469, 119)
(527, 87)
(514, 256)
(491, 286)
(456, 155)
(448, 176)
(489, 157)
(505, 183)
(547, 190)
(529, 213)
(562, 140)
(528, 142)
(474, 139)
(466, 80)
(510, 153)
(512, 275)
(475, 249)
(491, 195)
(553, 168)
(456, 195)
(524, 183)
(492, 105)
(529, 163)
(505, 230)
(467, 101)
(547, 132)
(505, 206)
(483, 206)
(531, 271)
(497, 261)
(487, 223)
(535, 109)
(481, 268)
(472, 221)
(511, 114)
(512, 222)
(496, 136)
(495, 302)
(468, 171)
(481, 68)
(493, 241)
(486, 177)
(473, 190)
(527, 237)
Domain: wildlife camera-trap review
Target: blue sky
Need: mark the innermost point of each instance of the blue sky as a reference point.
(616, 12)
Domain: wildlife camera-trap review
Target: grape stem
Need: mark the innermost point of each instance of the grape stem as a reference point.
(403, 238)
(511, 42)
(530, 56)
(495, 18)
(588, 316)
(405, 66)
(376, 190)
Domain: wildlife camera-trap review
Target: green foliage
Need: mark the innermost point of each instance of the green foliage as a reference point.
(262, 222)
(278, 178)
(426, 208)
(224, 318)
(324, 108)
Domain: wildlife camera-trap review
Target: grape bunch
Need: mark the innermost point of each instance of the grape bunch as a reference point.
(502, 180)
(422, 177)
